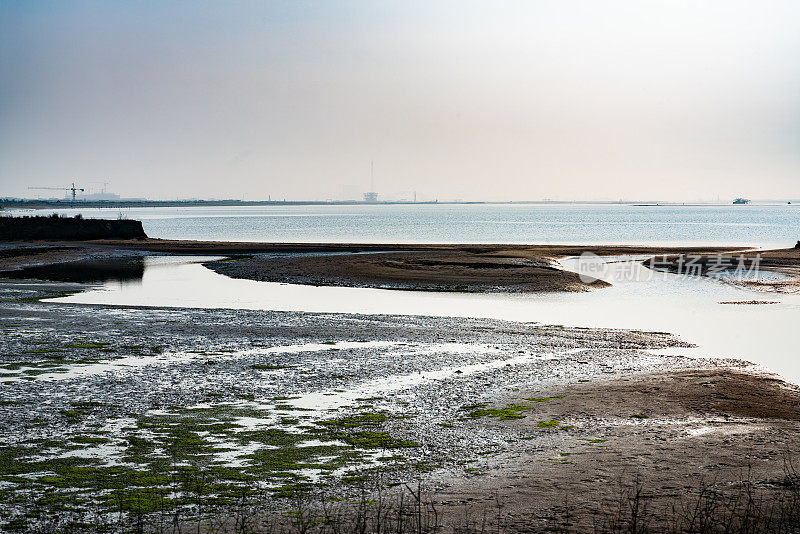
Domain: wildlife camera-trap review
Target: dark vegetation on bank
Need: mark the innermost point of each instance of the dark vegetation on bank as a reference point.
(750, 507)
(76, 228)
(746, 508)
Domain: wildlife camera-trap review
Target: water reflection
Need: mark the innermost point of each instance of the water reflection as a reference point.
(128, 270)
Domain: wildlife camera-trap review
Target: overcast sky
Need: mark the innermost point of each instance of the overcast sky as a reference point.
(496, 100)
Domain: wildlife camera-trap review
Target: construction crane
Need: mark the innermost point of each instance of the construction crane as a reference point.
(73, 189)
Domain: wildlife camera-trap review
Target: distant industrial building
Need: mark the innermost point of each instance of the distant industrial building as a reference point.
(371, 197)
(94, 197)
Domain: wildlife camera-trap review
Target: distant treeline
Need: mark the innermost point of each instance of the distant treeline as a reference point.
(68, 228)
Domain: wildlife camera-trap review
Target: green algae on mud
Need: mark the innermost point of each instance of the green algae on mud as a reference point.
(201, 424)
(507, 413)
(548, 424)
(177, 459)
(171, 454)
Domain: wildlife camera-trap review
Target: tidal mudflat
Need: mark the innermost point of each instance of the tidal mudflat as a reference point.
(145, 403)
(119, 417)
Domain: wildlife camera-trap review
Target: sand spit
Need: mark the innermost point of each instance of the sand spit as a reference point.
(758, 267)
(413, 270)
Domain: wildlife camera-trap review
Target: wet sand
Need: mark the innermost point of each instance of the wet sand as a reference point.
(546, 420)
(445, 270)
(671, 434)
(523, 426)
(784, 262)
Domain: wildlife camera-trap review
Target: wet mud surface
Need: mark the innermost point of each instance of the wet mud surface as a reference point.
(113, 416)
(775, 271)
(450, 270)
(116, 410)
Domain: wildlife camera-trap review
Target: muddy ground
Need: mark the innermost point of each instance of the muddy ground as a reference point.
(776, 271)
(115, 416)
(670, 434)
(416, 270)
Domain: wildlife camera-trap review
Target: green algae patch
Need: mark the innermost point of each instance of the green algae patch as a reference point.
(353, 480)
(79, 411)
(274, 437)
(291, 408)
(293, 458)
(171, 460)
(364, 430)
(294, 491)
(376, 440)
(356, 421)
(548, 424)
(41, 351)
(509, 412)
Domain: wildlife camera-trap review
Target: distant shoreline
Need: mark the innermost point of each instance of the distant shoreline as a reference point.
(119, 204)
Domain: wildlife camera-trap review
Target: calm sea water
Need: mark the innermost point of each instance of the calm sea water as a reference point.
(766, 226)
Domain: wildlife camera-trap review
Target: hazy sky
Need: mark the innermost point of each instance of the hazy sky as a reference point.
(674, 100)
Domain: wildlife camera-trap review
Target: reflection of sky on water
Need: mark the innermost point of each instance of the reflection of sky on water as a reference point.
(640, 300)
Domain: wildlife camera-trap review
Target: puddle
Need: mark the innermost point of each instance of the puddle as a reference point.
(118, 364)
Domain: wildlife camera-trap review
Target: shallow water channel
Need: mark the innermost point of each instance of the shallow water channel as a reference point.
(640, 299)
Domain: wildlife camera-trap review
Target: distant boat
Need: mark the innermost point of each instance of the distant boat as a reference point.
(741, 201)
